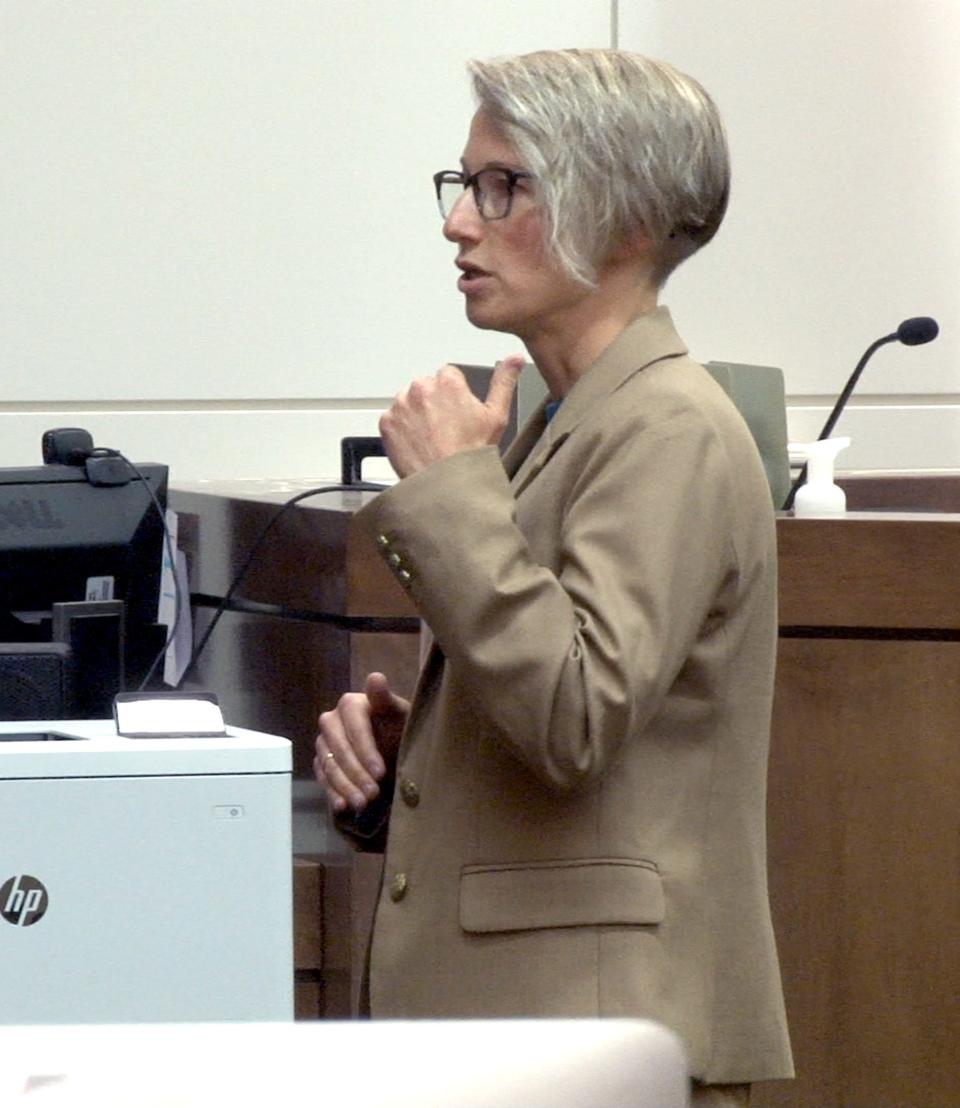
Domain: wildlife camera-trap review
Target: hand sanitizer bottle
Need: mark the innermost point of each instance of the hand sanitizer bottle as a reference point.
(819, 496)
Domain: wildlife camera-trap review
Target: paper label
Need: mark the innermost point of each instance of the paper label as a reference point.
(100, 588)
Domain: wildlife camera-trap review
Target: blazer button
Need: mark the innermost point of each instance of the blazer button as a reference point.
(404, 577)
(409, 793)
(383, 541)
(398, 887)
(394, 559)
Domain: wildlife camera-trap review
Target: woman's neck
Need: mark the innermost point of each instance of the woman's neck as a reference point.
(564, 353)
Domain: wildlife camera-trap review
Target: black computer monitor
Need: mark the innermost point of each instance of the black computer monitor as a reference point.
(80, 564)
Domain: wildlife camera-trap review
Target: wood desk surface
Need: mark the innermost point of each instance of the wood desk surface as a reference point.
(870, 570)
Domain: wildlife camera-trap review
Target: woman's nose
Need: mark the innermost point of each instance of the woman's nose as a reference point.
(463, 221)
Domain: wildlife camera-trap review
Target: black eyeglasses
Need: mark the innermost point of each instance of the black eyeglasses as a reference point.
(492, 190)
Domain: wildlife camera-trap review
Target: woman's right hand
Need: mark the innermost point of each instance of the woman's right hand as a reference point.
(357, 741)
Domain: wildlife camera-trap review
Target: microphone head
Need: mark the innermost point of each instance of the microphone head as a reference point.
(918, 330)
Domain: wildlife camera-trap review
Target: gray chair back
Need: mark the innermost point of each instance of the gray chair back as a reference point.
(757, 391)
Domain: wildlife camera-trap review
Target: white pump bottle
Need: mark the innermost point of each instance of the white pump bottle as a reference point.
(819, 496)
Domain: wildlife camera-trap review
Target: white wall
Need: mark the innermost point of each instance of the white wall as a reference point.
(221, 249)
(844, 126)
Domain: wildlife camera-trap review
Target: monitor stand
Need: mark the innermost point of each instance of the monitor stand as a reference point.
(95, 631)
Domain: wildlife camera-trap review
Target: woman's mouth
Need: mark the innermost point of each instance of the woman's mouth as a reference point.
(472, 277)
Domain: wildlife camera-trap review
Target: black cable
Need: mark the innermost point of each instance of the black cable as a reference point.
(359, 486)
(394, 625)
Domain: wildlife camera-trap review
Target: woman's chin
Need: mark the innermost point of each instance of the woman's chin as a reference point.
(487, 318)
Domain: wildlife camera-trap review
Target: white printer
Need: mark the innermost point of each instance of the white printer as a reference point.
(143, 880)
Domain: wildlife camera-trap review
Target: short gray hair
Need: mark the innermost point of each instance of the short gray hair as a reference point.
(618, 143)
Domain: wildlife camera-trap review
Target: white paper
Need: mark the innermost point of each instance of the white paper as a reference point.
(168, 716)
(174, 592)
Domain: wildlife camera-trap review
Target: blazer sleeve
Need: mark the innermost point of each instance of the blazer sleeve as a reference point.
(562, 661)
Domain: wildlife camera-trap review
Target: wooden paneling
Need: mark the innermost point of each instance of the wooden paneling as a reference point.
(308, 938)
(310, 559)
(308, 912)
(901, 492)
(323, 950)
(864, 796)
(864, 839)
(277, 674)
(886, 571)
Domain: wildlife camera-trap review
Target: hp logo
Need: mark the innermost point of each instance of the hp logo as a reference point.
(23, 900)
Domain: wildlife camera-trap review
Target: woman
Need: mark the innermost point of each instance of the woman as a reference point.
(576, 805)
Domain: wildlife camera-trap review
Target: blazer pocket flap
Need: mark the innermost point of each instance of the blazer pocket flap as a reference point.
(581, 893)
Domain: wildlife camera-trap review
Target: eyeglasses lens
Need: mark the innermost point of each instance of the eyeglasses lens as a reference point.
(495, 192)
(491, 191)
(450, 192)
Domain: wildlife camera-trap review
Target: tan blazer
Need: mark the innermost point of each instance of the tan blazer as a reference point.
(578, 821)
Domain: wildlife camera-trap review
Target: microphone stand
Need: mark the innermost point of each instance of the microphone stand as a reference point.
(838, 408)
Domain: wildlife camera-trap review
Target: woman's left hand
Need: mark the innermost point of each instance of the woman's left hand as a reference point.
(438, 416)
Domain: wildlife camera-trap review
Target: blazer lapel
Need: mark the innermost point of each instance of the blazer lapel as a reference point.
(648, 339)
(525, 440)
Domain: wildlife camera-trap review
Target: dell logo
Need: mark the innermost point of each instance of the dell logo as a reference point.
(28, 515)
(23, 900)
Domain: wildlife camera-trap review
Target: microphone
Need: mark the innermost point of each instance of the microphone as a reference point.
(915, 331)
